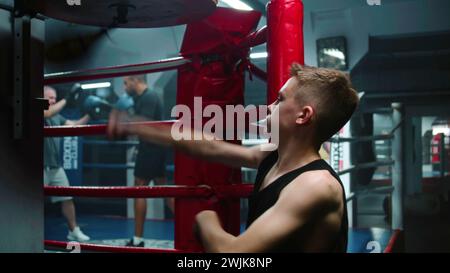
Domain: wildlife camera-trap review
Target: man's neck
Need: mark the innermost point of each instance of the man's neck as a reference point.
(141, 89)
(293, 154)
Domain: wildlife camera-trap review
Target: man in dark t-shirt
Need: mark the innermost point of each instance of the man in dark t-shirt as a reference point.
(150, 160)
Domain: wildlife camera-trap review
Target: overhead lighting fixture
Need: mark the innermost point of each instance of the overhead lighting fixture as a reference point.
(335, 53)
(258, 55)
(95, 85)
(237, 4)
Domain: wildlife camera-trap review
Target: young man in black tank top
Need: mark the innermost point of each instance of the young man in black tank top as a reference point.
(299, 202)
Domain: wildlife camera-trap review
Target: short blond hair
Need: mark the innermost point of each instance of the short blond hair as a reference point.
(333, 95)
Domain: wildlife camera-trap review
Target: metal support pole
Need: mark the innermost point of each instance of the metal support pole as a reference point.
(24, 50)
(21, 72)
(397, 170)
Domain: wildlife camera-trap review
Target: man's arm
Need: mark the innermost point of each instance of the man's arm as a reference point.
(55, 108)
(212, 150)
(302, 200)
(84, 120)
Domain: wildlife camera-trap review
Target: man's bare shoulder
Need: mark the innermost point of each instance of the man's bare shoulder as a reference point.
(319, 187)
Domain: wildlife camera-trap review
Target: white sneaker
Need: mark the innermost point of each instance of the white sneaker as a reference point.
(77, 235)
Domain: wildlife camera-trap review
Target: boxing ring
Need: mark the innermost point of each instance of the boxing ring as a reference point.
(201, 185)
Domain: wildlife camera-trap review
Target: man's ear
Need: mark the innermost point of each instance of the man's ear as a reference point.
(305, 115)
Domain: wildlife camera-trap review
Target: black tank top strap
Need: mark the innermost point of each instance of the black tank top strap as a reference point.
(264, 168)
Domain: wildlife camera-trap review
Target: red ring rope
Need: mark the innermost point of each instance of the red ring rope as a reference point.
(395, 238)
(115, 71)
(91, 130)
(201, 191)
(131, 192)
(115, 249)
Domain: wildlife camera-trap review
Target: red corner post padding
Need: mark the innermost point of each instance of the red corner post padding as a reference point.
(216, 74)
(284, 43)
